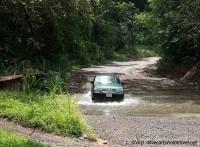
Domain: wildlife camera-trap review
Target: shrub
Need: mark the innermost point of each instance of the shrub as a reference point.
(59, 115)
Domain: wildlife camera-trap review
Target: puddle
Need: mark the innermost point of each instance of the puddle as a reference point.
(146, 103)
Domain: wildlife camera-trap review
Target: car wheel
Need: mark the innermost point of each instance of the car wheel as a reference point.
(120, 99)
(93, 98)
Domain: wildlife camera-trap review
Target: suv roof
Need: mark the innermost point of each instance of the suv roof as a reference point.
(105, 74)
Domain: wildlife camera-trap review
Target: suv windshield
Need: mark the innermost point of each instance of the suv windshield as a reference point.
(107, 80)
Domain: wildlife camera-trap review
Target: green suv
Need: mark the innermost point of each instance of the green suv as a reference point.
(107, 87)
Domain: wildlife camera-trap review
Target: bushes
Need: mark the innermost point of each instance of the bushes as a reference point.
(146, 51)
(51, 84)
(30, 83)
(59, 115)
(61, 33)
(179, 25)
(173, 27)
(165, 64)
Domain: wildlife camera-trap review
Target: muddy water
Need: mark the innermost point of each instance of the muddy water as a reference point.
(146, 103)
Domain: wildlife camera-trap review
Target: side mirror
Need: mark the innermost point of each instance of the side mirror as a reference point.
(92, 82)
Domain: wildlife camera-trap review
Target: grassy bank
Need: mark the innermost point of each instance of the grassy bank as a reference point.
(58, 114)
(13, 140)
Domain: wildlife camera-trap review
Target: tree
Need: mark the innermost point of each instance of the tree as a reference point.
(63, 33)
(177, 29)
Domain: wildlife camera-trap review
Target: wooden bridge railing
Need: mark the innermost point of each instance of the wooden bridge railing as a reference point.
(14, 82)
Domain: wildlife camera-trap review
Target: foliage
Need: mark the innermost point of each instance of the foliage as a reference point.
(13, 140)
(147, 28)
(30, 83)
(58, 115)
(61, 33)
(177, 31)
(146, 51)
(53, 84)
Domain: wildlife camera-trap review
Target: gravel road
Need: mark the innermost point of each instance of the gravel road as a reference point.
(137, 74)
(137, 130)
(132, 129)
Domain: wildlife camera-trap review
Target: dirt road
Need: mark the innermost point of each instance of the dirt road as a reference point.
(138, 74)
(155, 112)
(155, 109)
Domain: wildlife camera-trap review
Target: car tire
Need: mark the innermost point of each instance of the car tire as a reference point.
(120, 100)
(93, 98)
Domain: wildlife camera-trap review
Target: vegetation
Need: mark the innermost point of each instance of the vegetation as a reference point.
(13, 140)
(146, 51)
(57, 36)
(51, 114)
(52, 84)
(174, 27)
(66, 34)
(62, 33)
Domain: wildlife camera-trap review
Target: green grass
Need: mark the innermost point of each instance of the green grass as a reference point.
(119, 57)
(146, 51)
(59, 115)
(10, 139)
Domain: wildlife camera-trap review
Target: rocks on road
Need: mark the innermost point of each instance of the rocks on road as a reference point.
(129, 131)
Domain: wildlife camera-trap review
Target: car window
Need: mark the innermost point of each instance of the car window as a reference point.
(118, 81)
(106, 80)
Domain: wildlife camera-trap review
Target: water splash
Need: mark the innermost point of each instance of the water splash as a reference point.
(144, 104)
(86, 100)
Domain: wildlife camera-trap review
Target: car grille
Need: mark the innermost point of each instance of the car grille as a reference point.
(108, 90)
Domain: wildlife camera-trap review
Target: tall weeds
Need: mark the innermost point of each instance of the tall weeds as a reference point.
(30, 83)
(59, 115)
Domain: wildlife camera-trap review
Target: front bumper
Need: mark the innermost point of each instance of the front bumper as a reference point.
(102, 96)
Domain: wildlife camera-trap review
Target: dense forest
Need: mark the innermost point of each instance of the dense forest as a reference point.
(64, 34)
(175, 27)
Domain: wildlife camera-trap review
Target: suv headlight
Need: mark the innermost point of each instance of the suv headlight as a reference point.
(120, 91)
(97, 90)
